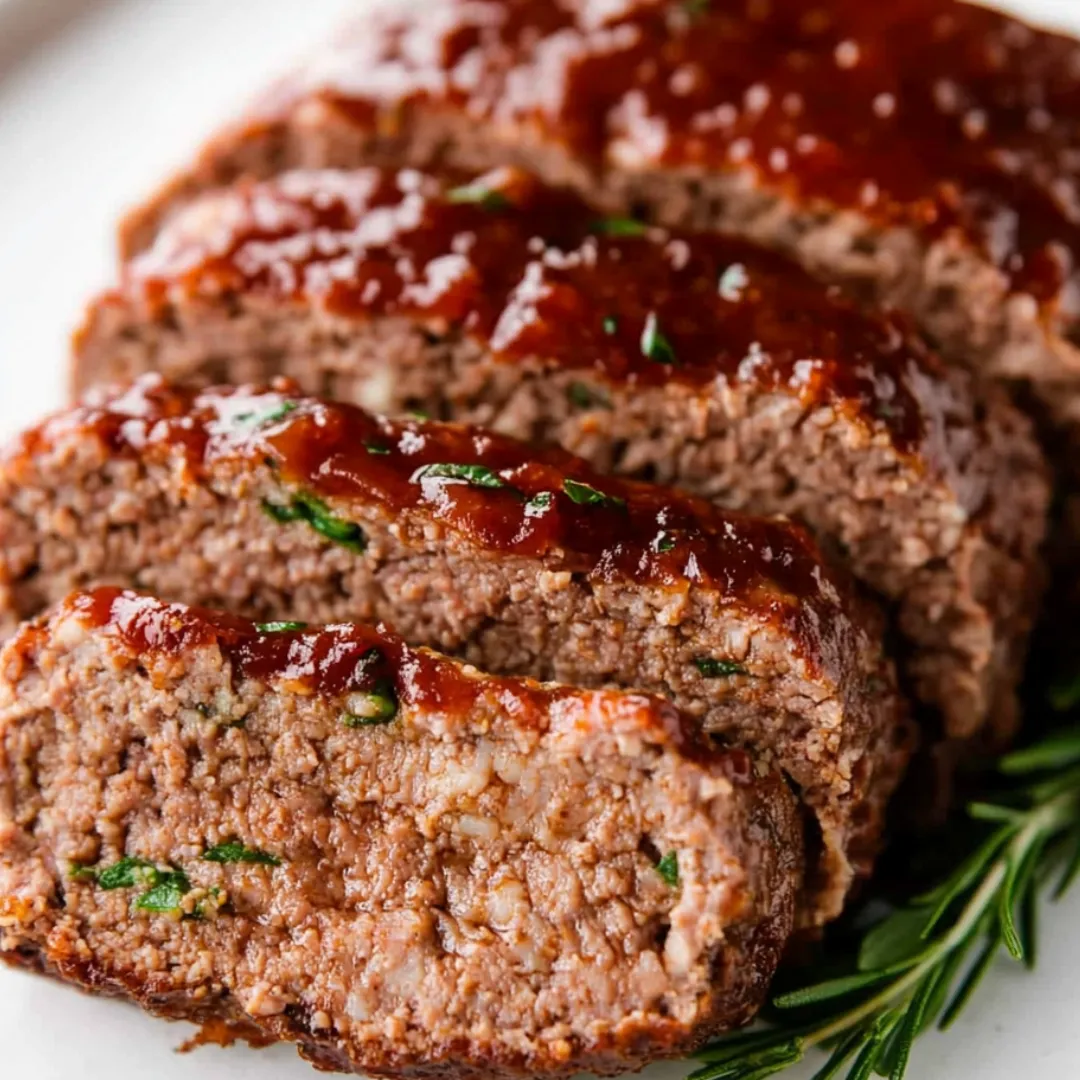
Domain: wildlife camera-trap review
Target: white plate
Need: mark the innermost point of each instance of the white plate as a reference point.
(97, 101)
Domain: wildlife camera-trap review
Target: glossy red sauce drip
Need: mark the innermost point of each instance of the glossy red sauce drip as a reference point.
(621, 531)
(533, 275)
(931, 112)
(336, 661)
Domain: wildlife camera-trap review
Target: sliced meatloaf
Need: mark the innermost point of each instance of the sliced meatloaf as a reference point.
(925, 151)
(403, 865)
(698, 360)
(521, 561)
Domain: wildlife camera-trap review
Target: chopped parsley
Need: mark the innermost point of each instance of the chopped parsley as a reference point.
(272, 417)
(654, 344)
(79, 872)
(668, 869)
(478, 195)
(540, 502)
(128, 873)
(585, 397)
(664, 543)
(475, 475)
(586, 495)
(279, 627)
(163, 889)
(166, 895)
(718, 669)
(233, 851)
(316, 513)
(611, 325)
(377, 449)
(620, 226)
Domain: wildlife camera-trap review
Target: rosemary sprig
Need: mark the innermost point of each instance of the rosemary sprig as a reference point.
(920, 965)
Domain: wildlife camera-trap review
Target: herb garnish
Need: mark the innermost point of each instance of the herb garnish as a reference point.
(620, 226)
(279, 627)
(587, 495)
(921, 964)
(163, 889)
(233, 851)
(718, 669)
(478, 195)
(316, 513)
(654, 344)
(271, 417)
(165, 896)
(540, 502)
(376, 449)
(474, 475)
(586, 397)
(664, 543)
(128, 873)
(668, 868)
(611, 325)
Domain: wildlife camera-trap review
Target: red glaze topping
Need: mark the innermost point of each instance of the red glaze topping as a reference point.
(347, 659)
(533, 272)
(500, 494)
(931, 112)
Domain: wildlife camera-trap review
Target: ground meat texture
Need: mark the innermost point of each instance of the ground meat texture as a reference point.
(520, 560)
(480, 876)
(696, 360)
(923, 151)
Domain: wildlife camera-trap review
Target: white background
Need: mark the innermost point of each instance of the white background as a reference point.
(98, 100)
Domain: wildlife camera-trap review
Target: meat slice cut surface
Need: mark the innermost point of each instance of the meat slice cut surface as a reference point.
(924, 151)
(697, 360)
(522, 561)
(403, 865)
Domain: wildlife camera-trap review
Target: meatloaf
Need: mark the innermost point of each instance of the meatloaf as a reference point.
(924, 151)
(522, 561)
(403, 865)
(698, 360)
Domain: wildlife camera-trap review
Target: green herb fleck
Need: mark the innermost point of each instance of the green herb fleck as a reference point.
(128, 873)
(279, 627)
(620, 226)
(373, 708)
(478, 195)
(419, 414)
(80, 872)
(654, 344)
(718, 669)
(540, 502)
(664, 543)
(166, 895)
(586, 397)
(316, 513)
(377, 449)
(271, 417)
(475, 475)
(611, 325)
(233, 851)
(586, 495)
(668, 869)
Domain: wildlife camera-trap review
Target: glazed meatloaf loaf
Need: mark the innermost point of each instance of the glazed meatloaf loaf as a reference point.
(924, 151)
(698, 360)
(522, 561)
(404, 865)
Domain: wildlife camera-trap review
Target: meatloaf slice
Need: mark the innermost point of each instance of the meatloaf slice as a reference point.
(697, 360)
(925, 151)
(403, 865)
(522, 561)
